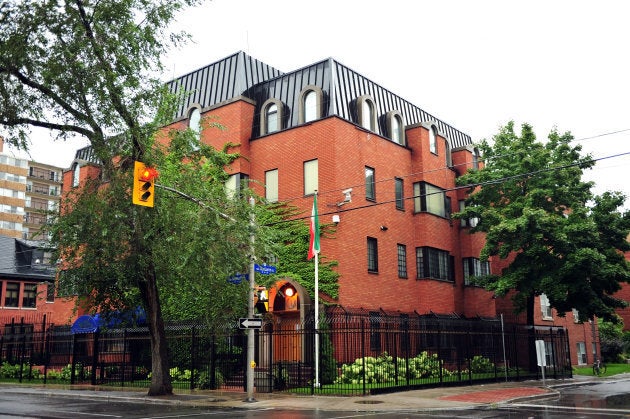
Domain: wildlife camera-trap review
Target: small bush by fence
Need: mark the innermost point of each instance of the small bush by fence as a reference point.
(359, 353)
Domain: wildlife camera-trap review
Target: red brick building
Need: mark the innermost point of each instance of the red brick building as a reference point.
(384, 171)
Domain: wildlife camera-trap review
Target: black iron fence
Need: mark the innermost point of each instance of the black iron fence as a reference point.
(359, 352)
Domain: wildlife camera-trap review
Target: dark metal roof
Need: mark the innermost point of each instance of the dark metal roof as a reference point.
(242, 75)
(16, 261)
(220, 81)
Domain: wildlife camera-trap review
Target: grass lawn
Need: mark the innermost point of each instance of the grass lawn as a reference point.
(612, 369)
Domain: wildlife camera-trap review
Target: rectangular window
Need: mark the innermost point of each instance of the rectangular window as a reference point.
(50, 292)
(581, 353)
(372, 254)
(545, 307)
(474, 267)
(549, 357)
(29, 295)
(400, 194)
(434, 264)
(429, 198)
(271, 185)
(370, 185)
(12, 294)
(467, 222)
(402, 261)
(311, 174)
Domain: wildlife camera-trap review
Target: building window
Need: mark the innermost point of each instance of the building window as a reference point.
(311, 175)
(271, 117)
(433, 139)
(235, 184)
(581, 353)
(366, 112)
(400, 194)
(429, 198)
(475, 159)
(447, 152)
(271, 185)
(545, 307)
(467, 222)
(310, 107)
(372, 254)
(473, 267)
(402, 261)
(194, 123)
(28, 297)
(395, 127)
(576, 315)
(370, 184)
(76, 175)
(50, 292)
(12, 294)
(549, 358)
(434, 264)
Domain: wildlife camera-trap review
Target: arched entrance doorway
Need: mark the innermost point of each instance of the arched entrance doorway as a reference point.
(289, 306)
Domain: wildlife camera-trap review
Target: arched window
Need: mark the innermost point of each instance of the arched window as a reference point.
(366, 112)
(310, 104)
(433, 139)
(449, 158)
(271, 117)
(194, 121)
(395, 127)
(75, 175)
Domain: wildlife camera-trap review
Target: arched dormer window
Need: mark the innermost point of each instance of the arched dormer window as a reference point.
(395, 127)
(271, 117)
(310, 104)
(433, 139)
(449, 158)
(366, 112)
(76, 173)
(194, 123)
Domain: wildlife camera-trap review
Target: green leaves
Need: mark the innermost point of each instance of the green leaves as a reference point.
(538, 214)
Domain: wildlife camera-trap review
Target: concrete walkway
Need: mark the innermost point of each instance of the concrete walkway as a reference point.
(442, 398)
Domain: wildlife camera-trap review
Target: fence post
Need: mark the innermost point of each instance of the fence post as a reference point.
(439, 350)
(193, 361)
(515, 350)
(95, 357)
(363, 352)
(74, 359)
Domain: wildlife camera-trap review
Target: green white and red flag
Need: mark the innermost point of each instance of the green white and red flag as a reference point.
(313, 247)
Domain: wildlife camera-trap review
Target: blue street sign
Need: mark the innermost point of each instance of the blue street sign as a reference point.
(265, 269)
(238, 278)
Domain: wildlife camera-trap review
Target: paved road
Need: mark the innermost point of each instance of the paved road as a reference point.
(610, 398)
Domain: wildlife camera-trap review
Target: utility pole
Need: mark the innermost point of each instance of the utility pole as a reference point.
(251, 363)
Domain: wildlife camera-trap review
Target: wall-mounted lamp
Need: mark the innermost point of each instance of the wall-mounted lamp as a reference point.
(336, 219)
(384, 228)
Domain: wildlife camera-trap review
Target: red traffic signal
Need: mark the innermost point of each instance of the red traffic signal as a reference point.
(143, 184)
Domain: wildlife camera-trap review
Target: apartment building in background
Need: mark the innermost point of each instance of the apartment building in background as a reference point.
(29, 191)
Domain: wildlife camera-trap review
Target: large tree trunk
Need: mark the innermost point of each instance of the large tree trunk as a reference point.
(160, 378)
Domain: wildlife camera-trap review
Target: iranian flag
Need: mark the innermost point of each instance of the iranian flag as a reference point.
(313, 246)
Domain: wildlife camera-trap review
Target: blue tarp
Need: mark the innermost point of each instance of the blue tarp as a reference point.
(90, 324)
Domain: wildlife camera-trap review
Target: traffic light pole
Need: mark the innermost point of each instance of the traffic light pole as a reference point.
(251, 363)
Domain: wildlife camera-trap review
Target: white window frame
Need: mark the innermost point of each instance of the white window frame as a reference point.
(311, 176)
(545, 307)
(271, 185)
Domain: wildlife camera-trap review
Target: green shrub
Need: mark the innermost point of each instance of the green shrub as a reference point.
(205, 383)
(481, 365)
(385, 369)
(9, 371)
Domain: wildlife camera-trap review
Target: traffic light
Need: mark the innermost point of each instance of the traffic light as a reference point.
(262, 300)
(143, 184)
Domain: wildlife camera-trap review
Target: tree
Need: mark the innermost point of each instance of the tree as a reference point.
(539, 216)
(85, 67)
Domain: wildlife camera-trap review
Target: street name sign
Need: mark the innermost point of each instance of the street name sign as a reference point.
(245, 323)
(265, 269)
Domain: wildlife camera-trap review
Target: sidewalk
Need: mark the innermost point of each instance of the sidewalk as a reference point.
(441, 398)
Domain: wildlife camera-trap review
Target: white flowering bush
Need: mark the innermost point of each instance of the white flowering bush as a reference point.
(385, 369)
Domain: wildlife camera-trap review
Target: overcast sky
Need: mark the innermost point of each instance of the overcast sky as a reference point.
(474, 64)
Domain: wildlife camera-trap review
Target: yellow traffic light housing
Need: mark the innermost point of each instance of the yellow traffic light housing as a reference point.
(143, 184)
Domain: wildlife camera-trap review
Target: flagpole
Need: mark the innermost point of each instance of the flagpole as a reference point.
(317, 384)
